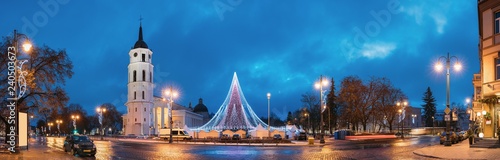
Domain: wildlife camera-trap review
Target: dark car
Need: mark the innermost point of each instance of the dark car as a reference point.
(79, 145)
(236, 137)
(302, 136)
(277, 137)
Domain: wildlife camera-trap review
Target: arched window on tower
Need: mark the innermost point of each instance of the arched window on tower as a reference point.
(143, 57)
(142, 94)
(135, 95)
(150, 76)
(143, 75)
(135, 75)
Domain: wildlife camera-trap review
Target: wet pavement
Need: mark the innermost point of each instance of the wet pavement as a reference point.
(144, 149)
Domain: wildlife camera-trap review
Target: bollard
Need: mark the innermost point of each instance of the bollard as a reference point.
(311, 141)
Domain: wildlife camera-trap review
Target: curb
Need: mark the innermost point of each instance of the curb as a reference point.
(427, 156)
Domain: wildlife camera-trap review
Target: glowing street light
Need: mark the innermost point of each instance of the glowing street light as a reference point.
(319, 85)
(308, 122)
(172, 94)
(18, 77)
(74, 118)
(58, 130)
(403, 106)
(100, 111)
(50, 125)
(269, 114)
(439, 66)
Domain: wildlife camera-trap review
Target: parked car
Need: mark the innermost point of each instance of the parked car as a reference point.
(302, 136)
(236, 137)
(79, 145)
(453, 138)
(225, 137)
(277, 137)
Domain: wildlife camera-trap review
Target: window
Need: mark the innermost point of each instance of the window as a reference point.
(135, 109)
(142, 94)
(144, 109)
(135, 74)
(497, 68)
(136, 119)
(497, 22)
(135, 95)
(150, 77)
(143, 57)
(143, 75)
(144, 119)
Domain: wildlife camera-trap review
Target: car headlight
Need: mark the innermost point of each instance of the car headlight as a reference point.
(76, 146)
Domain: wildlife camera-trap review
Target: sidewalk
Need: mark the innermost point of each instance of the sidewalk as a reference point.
(460, 150)
(36, 150)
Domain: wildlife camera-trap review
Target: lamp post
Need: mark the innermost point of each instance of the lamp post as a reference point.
(269, 114)
(433, 123)
(16, 82)
(74, 118)
(100, 111)
(402, 115)
(171, 93)
(308, 122)
(50, 125)
(413, 119)
(319, 85)
(58, 130)
(439, 67)
(470, 111)
(400, 126)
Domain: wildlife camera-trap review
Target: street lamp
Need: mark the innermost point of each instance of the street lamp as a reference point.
(269, 114)
(308, 122)
(16, 79)
(439, 67)
(402, 116)
(433, 123)
(58, 130)
(100, 111)
(470, 111)
(413, 119)
(50, 125)
(74, 118)
(319, 85)
(401, 127)
(481, 134)
(171, 93)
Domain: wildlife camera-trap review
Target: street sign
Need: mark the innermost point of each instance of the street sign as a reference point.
(447, 110)
(447, 117)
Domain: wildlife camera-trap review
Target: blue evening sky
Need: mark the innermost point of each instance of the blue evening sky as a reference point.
(281, 47)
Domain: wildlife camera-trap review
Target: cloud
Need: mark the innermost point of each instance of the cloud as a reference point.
(377, 50)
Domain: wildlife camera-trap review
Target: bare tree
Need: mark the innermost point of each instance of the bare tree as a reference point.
(311, 102)
(47, 71)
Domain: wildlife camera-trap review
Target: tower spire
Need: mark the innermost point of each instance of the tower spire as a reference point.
(140, 32)
(140, 41)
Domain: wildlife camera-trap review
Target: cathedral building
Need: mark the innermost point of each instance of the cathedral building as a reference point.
(147, 113)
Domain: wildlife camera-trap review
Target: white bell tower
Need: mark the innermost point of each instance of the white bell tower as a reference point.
(139, 117)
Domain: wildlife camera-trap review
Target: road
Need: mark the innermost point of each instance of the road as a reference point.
(334, 149)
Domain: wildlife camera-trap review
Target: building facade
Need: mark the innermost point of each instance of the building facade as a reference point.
(145, 112)
(487, 82)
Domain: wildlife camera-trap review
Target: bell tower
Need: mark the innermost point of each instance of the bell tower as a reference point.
(140, 100)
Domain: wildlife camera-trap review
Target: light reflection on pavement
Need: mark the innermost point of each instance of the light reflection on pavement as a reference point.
(334, 149)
